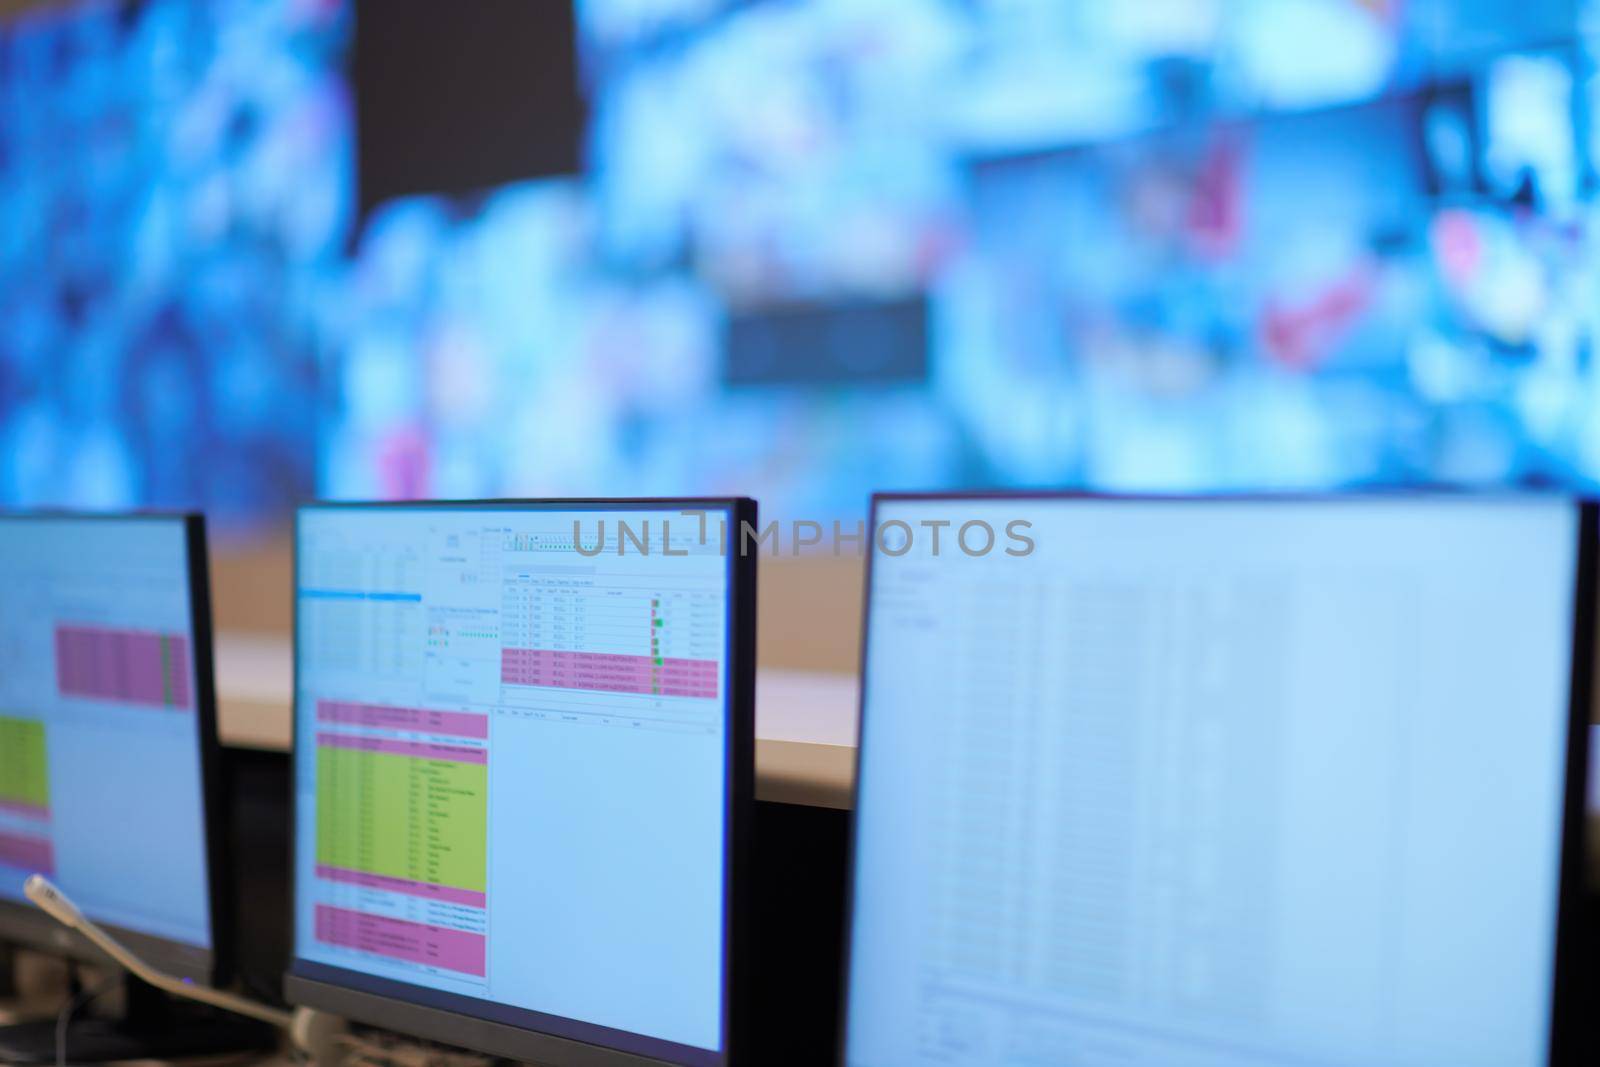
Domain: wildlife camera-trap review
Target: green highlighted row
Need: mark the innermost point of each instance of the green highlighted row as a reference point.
(24, 770)
(403, 817)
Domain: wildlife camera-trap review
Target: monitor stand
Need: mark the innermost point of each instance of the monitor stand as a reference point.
(153, 1026)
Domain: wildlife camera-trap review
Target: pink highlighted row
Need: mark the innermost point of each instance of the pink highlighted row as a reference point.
(27, 853)
(27, 811)
(415, 749)
(128, 666)
(426, 890)
(609, 672)
(434, 946)
(453, 723)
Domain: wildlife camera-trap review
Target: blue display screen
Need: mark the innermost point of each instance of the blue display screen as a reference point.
(811, 249)
(462, 674)
(1202, 782)
(101, 723)
(174, 188)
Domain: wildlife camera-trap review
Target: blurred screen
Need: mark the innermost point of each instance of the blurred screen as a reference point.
(101, 780)
(174, 189)
(810, 249)
(1156, 782)
(826, 247)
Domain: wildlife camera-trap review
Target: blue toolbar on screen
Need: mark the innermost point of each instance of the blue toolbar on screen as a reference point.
(100, 736)
(1216, 783)
(512, 765)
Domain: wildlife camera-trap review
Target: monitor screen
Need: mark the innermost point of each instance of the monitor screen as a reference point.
(518, 734)
(104, 728)
(1212, 782)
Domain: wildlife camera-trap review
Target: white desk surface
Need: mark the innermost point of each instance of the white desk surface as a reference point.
(805, 722)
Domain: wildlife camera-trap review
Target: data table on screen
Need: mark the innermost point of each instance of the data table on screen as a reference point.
(512, 751)
(1220, 783)
(101, 778)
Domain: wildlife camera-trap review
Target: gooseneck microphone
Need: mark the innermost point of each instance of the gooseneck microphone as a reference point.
(58, 906)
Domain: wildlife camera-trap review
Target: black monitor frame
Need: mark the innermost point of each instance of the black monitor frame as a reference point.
(26, 925)
(1567, 1039)
(531, 1036)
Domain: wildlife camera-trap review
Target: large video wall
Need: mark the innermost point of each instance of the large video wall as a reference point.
(812, 249)
(174, 187)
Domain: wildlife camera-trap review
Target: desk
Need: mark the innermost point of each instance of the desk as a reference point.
(805, 722)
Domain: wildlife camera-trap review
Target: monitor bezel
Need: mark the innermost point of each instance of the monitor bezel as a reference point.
(1566, 977)
(437, 1016)
(25, 925)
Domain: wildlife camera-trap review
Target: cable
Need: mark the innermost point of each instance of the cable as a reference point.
(75, 1005)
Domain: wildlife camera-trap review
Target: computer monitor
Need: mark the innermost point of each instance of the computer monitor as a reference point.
(108, 744)
(524, 763)
(1218, 782)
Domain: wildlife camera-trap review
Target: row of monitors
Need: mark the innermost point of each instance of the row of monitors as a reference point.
(1219, 782)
